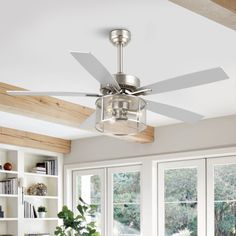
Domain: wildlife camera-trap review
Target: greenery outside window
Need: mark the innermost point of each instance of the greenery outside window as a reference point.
(116, 192)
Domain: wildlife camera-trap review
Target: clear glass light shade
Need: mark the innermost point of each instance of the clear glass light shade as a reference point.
(120, 114)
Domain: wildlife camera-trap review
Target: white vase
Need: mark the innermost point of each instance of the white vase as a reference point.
(41, 214)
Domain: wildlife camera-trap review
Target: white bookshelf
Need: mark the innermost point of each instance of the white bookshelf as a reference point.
(23, 160)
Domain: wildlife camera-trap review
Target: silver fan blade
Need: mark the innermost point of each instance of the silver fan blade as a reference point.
(89, 123)
(51, 93)
(173, 112)
(96, 69)
(187, 81)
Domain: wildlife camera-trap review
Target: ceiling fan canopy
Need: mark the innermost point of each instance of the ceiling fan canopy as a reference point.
(119, 108)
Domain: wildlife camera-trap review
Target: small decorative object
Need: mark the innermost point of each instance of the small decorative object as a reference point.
(42, 211)
(38, 189)
(7, 166)
(1, 212)
(78, 225)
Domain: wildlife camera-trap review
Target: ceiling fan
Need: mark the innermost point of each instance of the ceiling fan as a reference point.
(119, 108)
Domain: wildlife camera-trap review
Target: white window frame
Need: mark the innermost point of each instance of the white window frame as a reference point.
(211, 163)
(111, 171)
(201, 207)
(102, 173)
(148, 165)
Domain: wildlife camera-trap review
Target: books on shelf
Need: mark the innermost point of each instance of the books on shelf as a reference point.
(48, 167)
(39, 170)
(29, 210)
(9, 186)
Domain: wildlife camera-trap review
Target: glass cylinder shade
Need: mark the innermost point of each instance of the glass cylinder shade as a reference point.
(120, 114)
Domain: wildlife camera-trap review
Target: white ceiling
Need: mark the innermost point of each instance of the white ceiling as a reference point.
(167, 40)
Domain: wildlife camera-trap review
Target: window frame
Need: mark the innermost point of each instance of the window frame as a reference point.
(201, 188)
(211, 163)
(149, 164)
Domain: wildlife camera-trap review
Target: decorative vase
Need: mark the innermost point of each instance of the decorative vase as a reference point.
(41, 214)
(7, 166)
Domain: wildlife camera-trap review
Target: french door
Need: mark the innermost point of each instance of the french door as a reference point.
(124, 201)
(181, 198)
(197, 198)
(90, 186)
(116, 192)
(221, 196)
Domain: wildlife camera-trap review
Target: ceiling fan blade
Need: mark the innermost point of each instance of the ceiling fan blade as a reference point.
(173, 112)
(96, 69)
(89, 123)
(51, 93)
(187, 81)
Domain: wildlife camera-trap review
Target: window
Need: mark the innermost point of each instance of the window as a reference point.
(116, 192)
(222, 196)
(181, 198)
(124, 201)
(88, 184)
(194, 197)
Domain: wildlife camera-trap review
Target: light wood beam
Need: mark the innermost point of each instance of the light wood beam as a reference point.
(43, 108)
(56, 111)
(229, 4)
(212, 10)
(32, 140)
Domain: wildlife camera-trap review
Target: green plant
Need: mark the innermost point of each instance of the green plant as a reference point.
(42, 209)
(80, 225)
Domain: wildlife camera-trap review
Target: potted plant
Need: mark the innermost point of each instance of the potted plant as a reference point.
(81, 225)
(42, 211)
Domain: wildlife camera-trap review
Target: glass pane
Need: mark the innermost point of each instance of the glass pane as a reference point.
(225, 219)
(126, 203)
(225, 182)
(181, 185)
(181, 202)
(126, 219)
(126, 187)
(89, 189)
(225, 200)
(180, 219)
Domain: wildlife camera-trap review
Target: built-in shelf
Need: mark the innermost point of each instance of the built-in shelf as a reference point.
(41, 219)
(8, 195)
(8, 219)
(40, 175)
(15, 207)
(8, 172)
(40, 197)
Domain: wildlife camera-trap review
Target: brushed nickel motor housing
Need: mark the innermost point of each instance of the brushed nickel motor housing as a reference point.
(129, 82)
(126, 82)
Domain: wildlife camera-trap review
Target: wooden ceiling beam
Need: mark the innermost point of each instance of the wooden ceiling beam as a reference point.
(220, 11)
(229, 4)
(32, 140)
(56, 111)
(43, 108)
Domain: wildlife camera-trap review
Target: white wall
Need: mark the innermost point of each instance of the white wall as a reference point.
(210, 133)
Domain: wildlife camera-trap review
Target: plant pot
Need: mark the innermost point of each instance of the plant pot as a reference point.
(41, 214)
